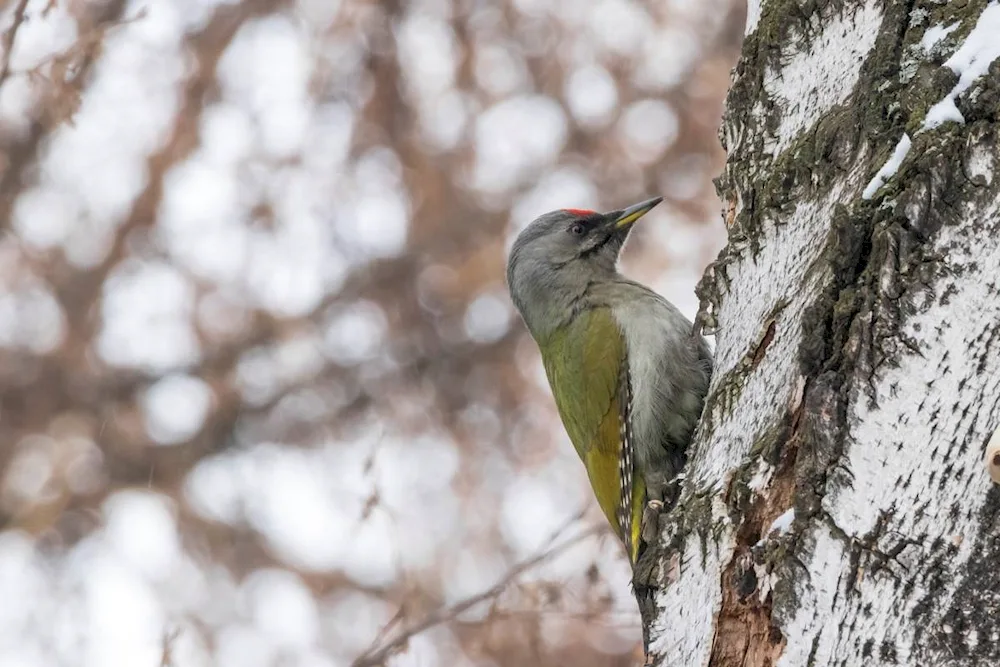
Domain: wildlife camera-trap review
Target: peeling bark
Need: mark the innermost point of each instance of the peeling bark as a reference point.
(836, 510)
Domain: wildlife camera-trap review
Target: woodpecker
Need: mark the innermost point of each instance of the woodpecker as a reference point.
(628, 373)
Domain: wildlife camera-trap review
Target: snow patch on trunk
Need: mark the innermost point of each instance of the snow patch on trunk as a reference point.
(971, 61)
(890, 168)
(782, 524)
(935, 34)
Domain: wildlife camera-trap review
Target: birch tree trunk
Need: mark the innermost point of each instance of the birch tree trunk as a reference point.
(836, 509)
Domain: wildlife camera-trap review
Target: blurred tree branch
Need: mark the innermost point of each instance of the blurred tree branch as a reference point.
(8, 39)
(22, 154)
(379, 653)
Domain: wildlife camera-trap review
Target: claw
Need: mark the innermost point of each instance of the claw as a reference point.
(650, 520)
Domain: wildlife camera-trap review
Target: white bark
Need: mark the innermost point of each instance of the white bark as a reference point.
(836, 509)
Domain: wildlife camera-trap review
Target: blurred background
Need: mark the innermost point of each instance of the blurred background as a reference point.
(263, 397)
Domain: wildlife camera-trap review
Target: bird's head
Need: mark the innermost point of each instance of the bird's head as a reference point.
(556, 256)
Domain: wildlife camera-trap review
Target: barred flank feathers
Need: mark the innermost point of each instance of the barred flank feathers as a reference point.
(625, 457)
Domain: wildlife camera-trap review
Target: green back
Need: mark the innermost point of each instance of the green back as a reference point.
(582, 360)
(583, 363)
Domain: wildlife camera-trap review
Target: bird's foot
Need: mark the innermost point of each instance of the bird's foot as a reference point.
(651, 520)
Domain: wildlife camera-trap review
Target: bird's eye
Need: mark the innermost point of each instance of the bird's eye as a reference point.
(577, 229)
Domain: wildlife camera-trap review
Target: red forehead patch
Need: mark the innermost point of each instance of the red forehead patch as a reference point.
(582, 212)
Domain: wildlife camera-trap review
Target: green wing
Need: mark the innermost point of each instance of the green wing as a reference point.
(586, 368)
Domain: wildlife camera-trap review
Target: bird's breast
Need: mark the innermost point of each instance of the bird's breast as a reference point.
(660, 353)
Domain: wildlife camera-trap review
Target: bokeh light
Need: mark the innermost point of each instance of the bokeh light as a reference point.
(263, 397)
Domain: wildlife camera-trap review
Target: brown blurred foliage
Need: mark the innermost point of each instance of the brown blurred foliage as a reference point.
(83, 414)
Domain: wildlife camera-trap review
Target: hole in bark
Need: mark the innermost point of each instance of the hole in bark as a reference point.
(996, 459)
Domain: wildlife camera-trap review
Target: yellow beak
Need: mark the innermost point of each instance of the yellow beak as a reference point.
(634, 212)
